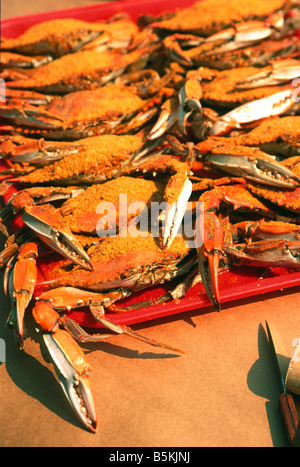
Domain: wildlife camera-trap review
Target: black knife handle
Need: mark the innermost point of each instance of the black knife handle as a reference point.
(290, 419)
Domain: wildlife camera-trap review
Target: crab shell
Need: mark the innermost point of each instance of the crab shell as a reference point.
(97, 159)
(62, 36)
(210, 16)
(254, 55)
(82, 213)
(222, 90)
(277, 135)
(80, 114)
(121, 261)
(85, 69)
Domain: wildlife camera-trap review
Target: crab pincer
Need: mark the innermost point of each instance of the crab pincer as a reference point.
(248, 162)
(177, 190)
(69, 362)
(178, 109)
(47, 223)
(266, 253)
(21, 286)
(275, 104)
(279, 72)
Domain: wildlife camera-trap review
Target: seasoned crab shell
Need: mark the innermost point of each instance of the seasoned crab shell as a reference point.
(277, 135)
(58, 37)
(210, 16)
(82, 213)
(85, 69)
(79, 114)
(222, 89)
(100, 158)
(121, 261)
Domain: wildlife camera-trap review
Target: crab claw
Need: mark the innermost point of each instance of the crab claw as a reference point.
(29, 115)
(176, 193)
(281, 72)
(22, 283)
(209, 255)
(175, 209)
(189, 101)
(38, 152)
(240, 36)
(167, 118)
(46, 222)
(69, 362)
(72, 372)
(250, 163)
(266, 253)
(270, 106)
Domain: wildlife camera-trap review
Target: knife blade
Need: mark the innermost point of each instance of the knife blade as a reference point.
(286, 401)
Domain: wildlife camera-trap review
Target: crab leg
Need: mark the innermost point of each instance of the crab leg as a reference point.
(70, 364)
(189, 101)
(276, 104)
(26, 97)
(30, 115)
(167, 118)
(22, 283)
(66, 298)
(98, 313)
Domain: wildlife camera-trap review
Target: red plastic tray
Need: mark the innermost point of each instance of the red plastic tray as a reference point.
(236, 284)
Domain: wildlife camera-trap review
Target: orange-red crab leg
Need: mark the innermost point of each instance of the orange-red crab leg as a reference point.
(67, 298)
(270, 106)
(70, 364)
(21, 284)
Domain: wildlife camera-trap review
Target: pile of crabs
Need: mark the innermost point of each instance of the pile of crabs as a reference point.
(198, 105)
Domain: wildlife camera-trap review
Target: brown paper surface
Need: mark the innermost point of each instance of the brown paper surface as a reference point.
(221, 392)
